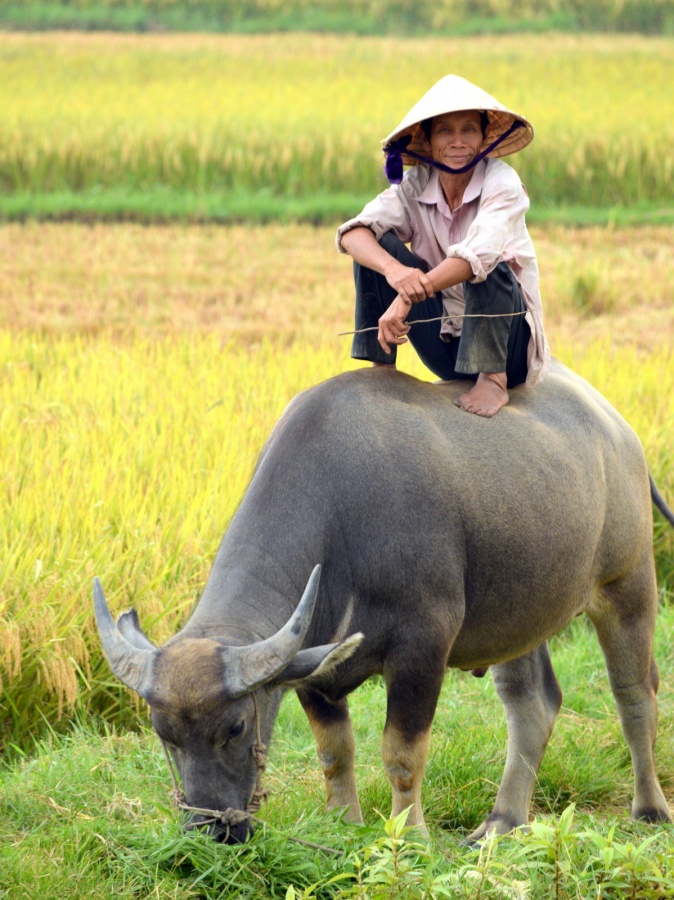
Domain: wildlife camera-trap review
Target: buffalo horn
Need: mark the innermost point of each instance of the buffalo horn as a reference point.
(132, 665)
(246, 668)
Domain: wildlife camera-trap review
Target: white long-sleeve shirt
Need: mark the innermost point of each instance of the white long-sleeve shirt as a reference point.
(487, 229)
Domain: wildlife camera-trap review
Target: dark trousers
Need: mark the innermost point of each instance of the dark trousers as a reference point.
(485, 344)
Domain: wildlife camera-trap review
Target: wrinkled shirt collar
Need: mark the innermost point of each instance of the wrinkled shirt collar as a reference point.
(433, 195)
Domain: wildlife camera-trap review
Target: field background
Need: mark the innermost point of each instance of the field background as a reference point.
(146, 351)
(231, 128)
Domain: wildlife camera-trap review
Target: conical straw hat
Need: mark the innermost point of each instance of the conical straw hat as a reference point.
(455, 94)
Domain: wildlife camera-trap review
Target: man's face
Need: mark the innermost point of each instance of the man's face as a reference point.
(456, 138)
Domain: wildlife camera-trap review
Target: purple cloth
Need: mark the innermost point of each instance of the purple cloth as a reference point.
(393, 167)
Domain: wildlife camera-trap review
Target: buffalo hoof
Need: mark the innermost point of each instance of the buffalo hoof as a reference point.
(493, 825)
(652, 815)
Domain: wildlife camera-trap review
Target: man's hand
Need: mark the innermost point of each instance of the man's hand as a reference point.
(392, 325)
(411, 284)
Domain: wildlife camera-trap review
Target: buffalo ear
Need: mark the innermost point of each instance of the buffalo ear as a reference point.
(129, 626)
(131, 663)
(317, 662)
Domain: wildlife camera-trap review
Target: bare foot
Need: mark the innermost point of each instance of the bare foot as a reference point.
(487, 396)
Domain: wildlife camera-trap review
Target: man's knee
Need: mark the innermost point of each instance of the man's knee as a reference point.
(500, 291)
(398, 250)
(391, 242)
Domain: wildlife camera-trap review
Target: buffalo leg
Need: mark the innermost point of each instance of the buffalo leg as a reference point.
(531, 696)
(624, 626)
(331, 726)
(412, 698)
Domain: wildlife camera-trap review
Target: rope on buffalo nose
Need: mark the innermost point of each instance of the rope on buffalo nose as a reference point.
(231, 817)
(259, 752)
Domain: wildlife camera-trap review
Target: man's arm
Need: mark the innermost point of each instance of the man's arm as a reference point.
(451, 271)
(393, 325)
(410, 283)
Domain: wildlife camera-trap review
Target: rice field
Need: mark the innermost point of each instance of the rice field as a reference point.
(298, 115)
(141, 370)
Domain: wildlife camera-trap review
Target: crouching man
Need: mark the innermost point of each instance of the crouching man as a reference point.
(470, 261)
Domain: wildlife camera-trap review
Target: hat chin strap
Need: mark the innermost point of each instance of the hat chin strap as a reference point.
(393, 167)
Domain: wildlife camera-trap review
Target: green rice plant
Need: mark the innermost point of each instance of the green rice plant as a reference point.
(395, 17)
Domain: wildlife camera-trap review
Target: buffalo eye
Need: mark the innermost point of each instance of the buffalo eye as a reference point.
(236, 730)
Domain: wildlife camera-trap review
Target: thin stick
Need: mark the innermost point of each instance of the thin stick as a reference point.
(522, 312)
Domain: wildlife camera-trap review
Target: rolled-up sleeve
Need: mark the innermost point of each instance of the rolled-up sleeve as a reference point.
(500, 216)
(387, 212)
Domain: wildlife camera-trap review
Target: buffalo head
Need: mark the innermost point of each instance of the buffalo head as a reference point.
(200, 692)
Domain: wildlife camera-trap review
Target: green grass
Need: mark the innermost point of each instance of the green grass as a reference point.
(88, 814)
(165, 204)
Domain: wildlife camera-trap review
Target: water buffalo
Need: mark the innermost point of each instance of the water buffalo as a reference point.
(444, 539)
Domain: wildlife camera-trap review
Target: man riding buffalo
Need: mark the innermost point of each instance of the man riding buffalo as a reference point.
(471, 262)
